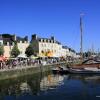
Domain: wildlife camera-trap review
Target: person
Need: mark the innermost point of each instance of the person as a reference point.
(40, 62)
(68, 66)
(14, 63)
(99, 66)
(0, 64)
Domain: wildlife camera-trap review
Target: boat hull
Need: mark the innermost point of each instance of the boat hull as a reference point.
(60, 71)
(85, 65)
(74, 71)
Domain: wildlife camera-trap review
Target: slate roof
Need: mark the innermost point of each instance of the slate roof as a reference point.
(11, 38)
(21, 39)
(49, 40)
(1, 37)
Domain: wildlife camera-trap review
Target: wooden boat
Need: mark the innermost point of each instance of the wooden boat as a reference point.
(60, 70)
(86, 70)
(87, 63)
(91, 65)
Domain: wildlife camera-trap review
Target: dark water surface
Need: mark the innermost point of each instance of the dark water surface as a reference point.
(46, 86)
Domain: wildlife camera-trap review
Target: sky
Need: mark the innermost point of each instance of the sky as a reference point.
(59, 18)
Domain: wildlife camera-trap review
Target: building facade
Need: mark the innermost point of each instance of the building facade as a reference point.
(8, 40)
(43, 47)
(49, 47)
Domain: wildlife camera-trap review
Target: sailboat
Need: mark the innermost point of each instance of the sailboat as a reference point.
(90, 65)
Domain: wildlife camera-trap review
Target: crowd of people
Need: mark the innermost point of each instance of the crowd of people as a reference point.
(17, 62)
(25, 62)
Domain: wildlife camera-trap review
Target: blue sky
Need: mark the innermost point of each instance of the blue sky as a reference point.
(53, 17)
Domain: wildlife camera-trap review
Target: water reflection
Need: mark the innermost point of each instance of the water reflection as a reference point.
(51, 82)
(25, 88)
(65, 87)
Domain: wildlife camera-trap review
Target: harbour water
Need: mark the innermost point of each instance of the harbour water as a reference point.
(47, 86)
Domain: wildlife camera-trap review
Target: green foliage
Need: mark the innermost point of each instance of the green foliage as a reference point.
(15, 51)
(29, 50)
(88, 54)
(1, 50)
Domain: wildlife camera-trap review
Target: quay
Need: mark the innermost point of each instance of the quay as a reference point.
(26, 70)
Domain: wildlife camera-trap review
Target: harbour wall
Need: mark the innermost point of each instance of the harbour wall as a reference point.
(26, 70)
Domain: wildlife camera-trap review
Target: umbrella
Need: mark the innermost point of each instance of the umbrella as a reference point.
(22, 56)
(1, 58)
(34, 57)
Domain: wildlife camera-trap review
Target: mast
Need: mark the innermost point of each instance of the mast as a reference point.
(92, 50)
(81, 36)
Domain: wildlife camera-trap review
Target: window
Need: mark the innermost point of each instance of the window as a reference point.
(5, 43)
(11, 43)
(23, 41)
(48, 41)
(44, 45)
(39, 40)
(44, 40)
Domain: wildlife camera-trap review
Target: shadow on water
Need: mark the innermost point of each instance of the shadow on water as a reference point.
(45, 85)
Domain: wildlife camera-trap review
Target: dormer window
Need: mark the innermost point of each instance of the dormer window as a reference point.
(23, 41)
(41, 40)
(44, 40)
(11, 43)
(48, 41)
(5, 43)
(20, 41)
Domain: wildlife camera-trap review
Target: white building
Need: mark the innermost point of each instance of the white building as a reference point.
(8, 42)
(49, 47)
(43, 47)
(46, 46)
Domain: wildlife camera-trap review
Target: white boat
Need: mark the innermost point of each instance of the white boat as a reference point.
(87, 70)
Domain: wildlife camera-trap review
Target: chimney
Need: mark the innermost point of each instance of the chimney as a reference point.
(26, 38)
(34, 37)
(14, 37)
(53, 38)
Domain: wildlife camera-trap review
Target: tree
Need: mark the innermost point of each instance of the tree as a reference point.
(15, 51)
(29, 50)
(1, 50)
(87, 54)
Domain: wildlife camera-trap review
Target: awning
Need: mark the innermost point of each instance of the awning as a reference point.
(50, 54)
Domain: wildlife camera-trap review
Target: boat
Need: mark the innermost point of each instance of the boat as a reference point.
(91, 65)
(60, 70)
(86, 70)
(88, 63)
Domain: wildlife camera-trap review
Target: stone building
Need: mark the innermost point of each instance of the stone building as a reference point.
(8, 41)
(48, 47)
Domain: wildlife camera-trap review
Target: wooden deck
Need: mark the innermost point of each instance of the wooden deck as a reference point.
(97, 65)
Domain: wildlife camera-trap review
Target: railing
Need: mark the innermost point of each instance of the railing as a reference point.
(21, 65)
